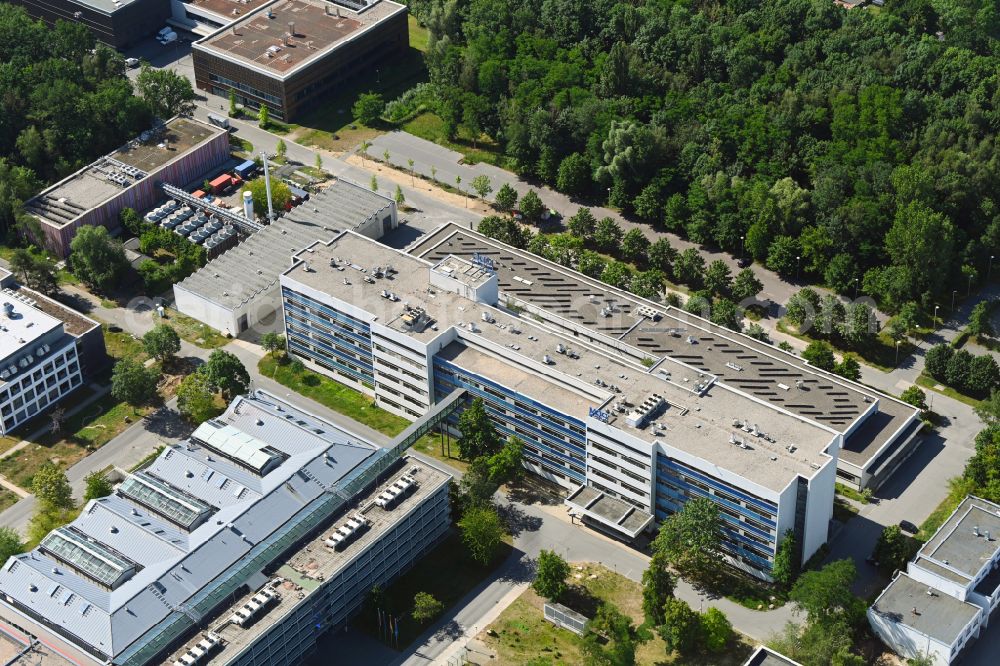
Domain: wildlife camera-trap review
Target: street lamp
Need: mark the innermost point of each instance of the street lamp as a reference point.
(798, 267)
(989, 269)
(935, 316)
(953, 292)
(856, 280)
(968, 290)
(897, 354)
(743, 246)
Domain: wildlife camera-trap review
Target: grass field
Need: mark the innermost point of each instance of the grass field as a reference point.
(880, 354)
(429, 126)
(447, 573)
(351, 403)
(928, 382)
(419, 35)
(523, 636)
(194, 331)
(89, 429)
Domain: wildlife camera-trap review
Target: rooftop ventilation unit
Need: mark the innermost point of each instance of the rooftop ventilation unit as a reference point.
(200, 651)
(400, 489)
(638, 417)
(246, 613)
(347, 533)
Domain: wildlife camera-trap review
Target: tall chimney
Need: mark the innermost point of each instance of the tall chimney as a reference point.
(267, 187)
(291, 28)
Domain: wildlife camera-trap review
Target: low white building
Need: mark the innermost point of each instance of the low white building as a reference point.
(949, 590)
(239, 289)
(765, 656)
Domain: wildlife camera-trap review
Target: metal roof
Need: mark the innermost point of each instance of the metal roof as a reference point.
(252, 267)
(93, 559)
(186, 511)
(97, 604)
(238, 446)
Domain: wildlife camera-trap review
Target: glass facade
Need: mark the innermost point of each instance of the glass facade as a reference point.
(334, 340)
(552, 440)
(750, 528)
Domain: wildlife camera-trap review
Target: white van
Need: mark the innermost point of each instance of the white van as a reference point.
(219, 121)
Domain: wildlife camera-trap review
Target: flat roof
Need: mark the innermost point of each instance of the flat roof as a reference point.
(265, 40)
(700, 423)
(941, 616)
(299, 575)
(237, 276)
(609, 510)
(619, 318)
(74, 323)
(765, 656)
(22, 327)
(230, 10)
(141, 158)
(105, 6)
(956, 544)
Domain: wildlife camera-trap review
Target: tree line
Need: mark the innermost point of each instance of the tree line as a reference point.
(854, 148)
(66, 100)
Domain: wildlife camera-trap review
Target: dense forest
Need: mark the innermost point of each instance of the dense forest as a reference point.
(851, 144)
(63, 102)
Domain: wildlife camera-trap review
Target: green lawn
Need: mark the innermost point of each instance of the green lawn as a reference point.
(194, 331)
(929, 382)
(880, 354)
(419, 35)
(328, 125)
(7, 499)
(87, 430)
(447, 573)
(429, 126)
(521, 635)
(338, 397)
(353, 404)
(122, 345)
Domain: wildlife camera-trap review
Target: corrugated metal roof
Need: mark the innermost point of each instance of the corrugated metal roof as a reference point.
(174, 565)
(252, 267)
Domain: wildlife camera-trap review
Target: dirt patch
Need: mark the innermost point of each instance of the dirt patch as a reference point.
(387, 174)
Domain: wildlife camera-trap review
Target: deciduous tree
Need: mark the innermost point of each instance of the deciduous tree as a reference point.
(551, 571)
(161, 342)
(482, 533)
(226, 373)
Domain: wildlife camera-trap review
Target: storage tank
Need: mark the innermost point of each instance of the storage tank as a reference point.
(248, 205)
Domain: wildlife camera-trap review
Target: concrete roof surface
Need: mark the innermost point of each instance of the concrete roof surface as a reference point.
(941, 616)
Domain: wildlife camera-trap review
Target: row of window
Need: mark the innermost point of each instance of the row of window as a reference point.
(618, 468)
(245, 87)
(593, 471)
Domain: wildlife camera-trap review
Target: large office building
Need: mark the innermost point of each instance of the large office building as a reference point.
(46, 352)
(239, 289)
(632, 406)
(118, 23)
(177, 152)
(287, 53)
(242, 544)
(948, 592)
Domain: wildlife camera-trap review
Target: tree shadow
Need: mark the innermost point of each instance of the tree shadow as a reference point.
(74, 301)
(533, 490)
(581, 600)
(167, 423)
(518, 520)
(520, 568)
(450, 629)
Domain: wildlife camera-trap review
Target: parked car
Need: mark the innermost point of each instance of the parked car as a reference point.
(907, 526)
(131, 63)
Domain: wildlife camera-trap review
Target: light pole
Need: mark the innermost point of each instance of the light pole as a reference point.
(935, 316)
(896, 365)
(953, 292)
(989, 269)
(743, 247)
(856, 288)
(798, 267)
(968, 289)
